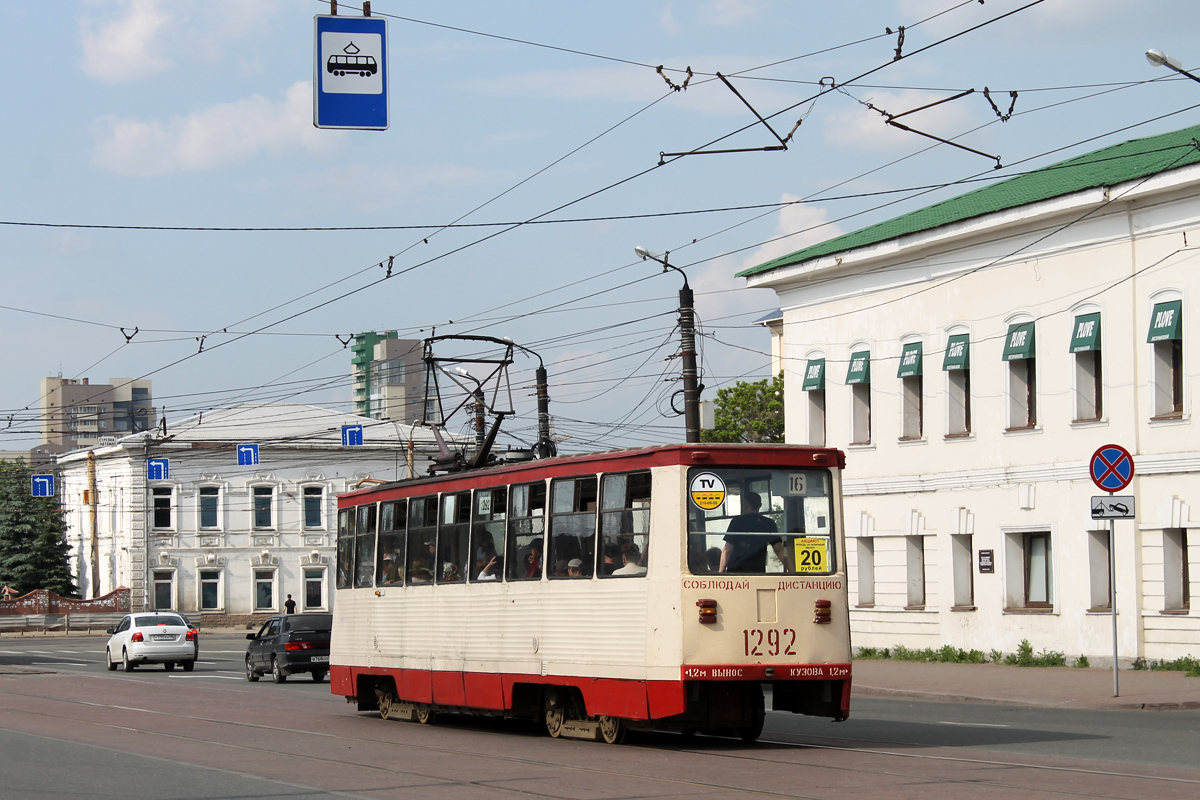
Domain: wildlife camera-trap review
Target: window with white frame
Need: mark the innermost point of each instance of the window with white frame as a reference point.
(1177, 573)
(1019, 352)
(957, 365)
(163, 499)
(866, 571)
(1029, 571)
(915, 561)
(264, 590)
(210, 590)
(314, 510)
(962, 564)
(1089, 380)
(858, 378)
(813, 387)
(1099, 559)
(314, 588)
(164, 589)
(912, 389)
(263, 509)
(1166, 335)
(210, 507)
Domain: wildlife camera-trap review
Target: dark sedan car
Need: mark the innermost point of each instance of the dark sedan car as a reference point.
(289, 644)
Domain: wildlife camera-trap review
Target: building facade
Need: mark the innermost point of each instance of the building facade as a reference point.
(193, 522)
(389, 377)
(971, 357)
(77, 413)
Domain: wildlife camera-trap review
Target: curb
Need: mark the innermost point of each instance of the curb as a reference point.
(946, 697)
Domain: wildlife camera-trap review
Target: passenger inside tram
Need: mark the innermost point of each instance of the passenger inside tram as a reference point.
(612, 558)
(748, 536)
(489, 571)
(575, 568)
(389, 570)
(631, 556)
(533, 560)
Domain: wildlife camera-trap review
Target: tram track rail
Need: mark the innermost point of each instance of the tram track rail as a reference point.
(742, 754)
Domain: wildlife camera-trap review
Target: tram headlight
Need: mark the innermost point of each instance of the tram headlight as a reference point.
(708, 611)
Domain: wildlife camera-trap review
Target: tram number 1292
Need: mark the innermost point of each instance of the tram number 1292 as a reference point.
(771, 642)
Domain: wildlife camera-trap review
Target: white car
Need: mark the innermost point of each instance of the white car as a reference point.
(152, 637)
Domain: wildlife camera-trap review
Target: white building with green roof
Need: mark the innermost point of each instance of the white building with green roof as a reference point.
(970, 357)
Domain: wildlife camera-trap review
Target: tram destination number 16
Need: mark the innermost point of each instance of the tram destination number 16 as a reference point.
(770, 642)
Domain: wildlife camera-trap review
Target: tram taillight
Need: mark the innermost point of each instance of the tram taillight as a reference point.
(824, 612)
(708, 611)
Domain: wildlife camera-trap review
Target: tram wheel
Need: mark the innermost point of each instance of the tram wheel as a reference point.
(425, 715)
(758, 715)
(612, 730)
(387, 701)
(555, 716)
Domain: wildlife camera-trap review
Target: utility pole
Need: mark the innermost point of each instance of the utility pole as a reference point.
(687, 349)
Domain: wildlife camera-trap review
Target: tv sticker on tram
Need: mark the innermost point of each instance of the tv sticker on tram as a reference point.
(707, 491)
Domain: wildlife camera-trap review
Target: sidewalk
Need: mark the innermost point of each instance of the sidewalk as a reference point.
(1061, 687)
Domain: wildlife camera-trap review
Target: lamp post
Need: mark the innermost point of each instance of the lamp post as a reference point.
(1158, 58)
(687, 337)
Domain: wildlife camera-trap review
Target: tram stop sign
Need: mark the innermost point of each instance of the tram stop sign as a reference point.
(1111, 468)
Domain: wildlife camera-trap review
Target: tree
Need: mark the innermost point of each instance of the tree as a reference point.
(749, 412)
(34, 553)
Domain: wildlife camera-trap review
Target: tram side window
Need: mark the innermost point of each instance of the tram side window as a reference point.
(754, 521)
(364, 555)
(624, 524)
(572, 526)
(526, 532)
(422, 539)
(345, 549)
(391, 543)
(453, 538)
(487, 534)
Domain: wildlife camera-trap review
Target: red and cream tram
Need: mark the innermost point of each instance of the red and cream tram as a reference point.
(657, 588)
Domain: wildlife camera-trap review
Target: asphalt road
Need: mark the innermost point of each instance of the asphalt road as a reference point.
(69, 728)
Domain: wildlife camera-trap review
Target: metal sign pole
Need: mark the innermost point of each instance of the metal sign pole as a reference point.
(1112, 595)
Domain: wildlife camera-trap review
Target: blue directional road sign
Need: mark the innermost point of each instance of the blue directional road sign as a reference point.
(350, 73)
(247, 455)
(42, 485)
(1111, 468)
(351, 435)
(158, 469)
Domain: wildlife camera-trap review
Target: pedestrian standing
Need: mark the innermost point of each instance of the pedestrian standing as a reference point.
(289, 605)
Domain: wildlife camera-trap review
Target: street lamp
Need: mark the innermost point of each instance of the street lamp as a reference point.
(687, 350)
(1158, 58)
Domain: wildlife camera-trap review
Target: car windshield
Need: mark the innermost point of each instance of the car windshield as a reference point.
(308, 622)
(154, 620)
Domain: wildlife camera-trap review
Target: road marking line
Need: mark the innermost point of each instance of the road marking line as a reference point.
(193, 677)
(974, 724)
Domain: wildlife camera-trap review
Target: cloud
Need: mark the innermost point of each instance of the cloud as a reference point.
(721, 294)
(729, 13)
(127, 47)
(128, 40)
(222, 134)
(860, 127)
(666, 19)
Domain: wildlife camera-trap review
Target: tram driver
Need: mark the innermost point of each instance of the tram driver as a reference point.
(747, 538)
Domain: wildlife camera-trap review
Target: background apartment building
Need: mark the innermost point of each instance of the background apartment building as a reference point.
(389, 377)
(79, 414)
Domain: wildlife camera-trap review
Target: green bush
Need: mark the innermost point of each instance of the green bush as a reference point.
(1082, 663)
(1190, 665)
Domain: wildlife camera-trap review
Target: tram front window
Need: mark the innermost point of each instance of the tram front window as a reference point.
(750, 521)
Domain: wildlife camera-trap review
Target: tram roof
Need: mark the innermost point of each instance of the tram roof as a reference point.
(698, 455)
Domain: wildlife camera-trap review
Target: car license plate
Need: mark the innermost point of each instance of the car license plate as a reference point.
(320, 659)
(163, 637)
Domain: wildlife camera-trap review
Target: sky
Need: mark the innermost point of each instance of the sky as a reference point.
(520, 169)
